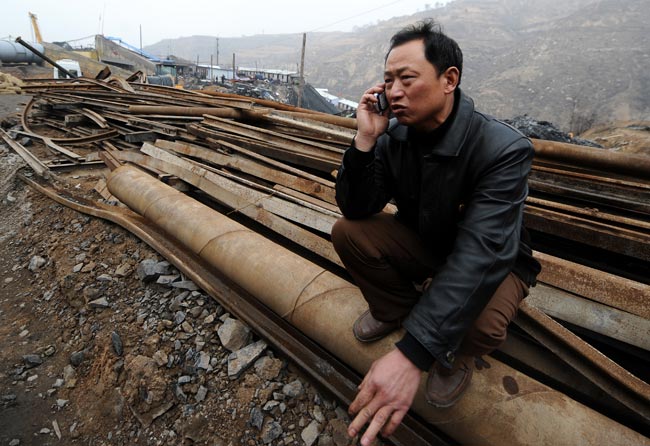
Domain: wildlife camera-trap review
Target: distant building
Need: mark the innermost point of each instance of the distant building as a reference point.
(344, 105)
(272, 75)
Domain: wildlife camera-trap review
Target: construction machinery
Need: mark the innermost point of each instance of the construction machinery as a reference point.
(37, 32)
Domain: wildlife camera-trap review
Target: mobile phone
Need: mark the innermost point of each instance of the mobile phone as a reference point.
(382, 103)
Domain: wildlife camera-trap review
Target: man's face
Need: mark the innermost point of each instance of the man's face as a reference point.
(417, 95)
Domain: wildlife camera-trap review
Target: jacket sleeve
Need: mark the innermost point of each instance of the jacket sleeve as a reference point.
(361, 189)
(484, 252)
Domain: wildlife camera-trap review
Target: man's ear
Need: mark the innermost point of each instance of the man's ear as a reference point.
(450, 77)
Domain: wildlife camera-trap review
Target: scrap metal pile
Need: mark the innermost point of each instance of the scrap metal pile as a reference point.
(274, 164)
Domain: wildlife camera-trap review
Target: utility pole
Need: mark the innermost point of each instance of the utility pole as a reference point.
(234, 73)
(141, 39)
(211, 67)
(301, 88)
(217, 51)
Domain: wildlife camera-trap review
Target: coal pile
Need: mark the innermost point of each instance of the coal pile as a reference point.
(546, 130)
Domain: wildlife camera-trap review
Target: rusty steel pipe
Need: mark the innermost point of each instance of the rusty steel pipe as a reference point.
(502, 405)
(185, 111)
(607, 160)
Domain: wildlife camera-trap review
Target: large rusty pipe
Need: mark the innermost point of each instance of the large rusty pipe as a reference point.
(615, 162)
(502, 405)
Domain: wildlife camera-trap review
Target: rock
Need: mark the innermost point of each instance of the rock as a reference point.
(233, 334)
(180, 395)
(184, 379)
(161, 358)
(201, 394)
(317, 413)
(145, 387)
(69, 376)
(49, 350)
(77, 358)
(32, 361)
(58, 383)
(203, 361)
(123, 270)
(177, 303)
(293, 389)
(185, 285)
(88, 267)
(187, 327)
(270, 405)
(15, 441)
(36, 262)
(80, 257)
(57, 431)
(271, 431)
(91, 293)
(149, 270)
(339, 430)
(100, 303)
(268, 368)
(179, 317)
(117, 343)
(241, 359)
(310, 434)
(167, 279)
(77, 267)
(61, 403)
(257, 418)
(104, 278)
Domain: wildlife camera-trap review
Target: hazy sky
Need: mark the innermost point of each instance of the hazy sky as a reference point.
(64, 20)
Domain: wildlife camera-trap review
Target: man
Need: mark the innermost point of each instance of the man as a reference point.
(459, 180)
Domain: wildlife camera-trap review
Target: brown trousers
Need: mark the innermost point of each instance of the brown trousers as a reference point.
(386, 259)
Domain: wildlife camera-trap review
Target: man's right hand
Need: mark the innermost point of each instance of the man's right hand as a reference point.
(370, 124)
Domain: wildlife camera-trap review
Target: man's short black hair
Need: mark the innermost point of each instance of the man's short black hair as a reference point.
(440, 50)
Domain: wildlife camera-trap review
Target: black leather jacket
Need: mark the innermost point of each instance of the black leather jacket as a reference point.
(462, 189)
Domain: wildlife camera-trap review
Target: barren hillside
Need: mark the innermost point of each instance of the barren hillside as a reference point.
(573, 63)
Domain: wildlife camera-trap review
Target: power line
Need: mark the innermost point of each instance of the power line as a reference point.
(357, 15)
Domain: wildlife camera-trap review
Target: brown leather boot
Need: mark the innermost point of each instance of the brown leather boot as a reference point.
(444, 386)
(367, 329)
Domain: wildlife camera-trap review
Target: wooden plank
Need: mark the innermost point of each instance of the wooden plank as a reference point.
(311, 127)
(265, 149)
(307, 198)
(290, 142)
(251, 167)
(210, 180)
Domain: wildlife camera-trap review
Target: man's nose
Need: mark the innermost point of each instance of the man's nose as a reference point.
(395, 93)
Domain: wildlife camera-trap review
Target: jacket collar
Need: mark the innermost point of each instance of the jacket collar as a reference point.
(455, 136)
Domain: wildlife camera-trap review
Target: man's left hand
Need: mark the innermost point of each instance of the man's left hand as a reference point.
(385, 395)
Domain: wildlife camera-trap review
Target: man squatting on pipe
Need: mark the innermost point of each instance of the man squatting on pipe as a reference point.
(459, 180)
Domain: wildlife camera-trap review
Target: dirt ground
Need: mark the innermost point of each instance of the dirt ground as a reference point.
(93, 354)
